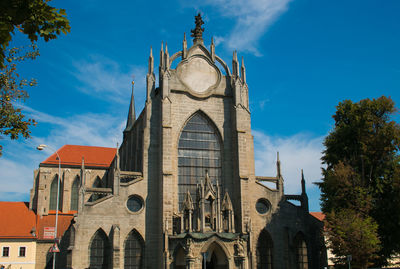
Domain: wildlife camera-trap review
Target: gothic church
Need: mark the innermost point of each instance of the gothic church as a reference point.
(181, 190)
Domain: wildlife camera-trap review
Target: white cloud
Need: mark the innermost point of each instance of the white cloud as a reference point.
(252, 19)
(105, 78)
(296, 152)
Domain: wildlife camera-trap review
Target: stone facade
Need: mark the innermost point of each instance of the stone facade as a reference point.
(146, 214)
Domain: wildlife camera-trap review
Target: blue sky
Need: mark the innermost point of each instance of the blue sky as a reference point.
(302, 58)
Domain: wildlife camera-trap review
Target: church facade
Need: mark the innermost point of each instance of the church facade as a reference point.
(181, 191)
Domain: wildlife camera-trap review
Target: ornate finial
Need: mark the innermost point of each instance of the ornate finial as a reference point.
(197, 32)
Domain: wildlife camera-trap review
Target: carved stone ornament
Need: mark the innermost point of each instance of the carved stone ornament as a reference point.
(189, 248)
(198, 75)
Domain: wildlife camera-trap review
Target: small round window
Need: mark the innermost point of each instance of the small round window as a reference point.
(263, 206)
(134, 203)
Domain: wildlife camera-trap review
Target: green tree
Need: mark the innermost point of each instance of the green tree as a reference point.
(348, 231)
(12, 122)
(362, 168)
(34, 18)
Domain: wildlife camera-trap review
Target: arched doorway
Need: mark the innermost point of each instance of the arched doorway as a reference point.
(215, 258)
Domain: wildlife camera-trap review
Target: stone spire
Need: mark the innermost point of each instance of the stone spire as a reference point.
(197, 32)
(151, 62)
(184, 45)
(131, 113)
(212, 49)
(243, 72)
(278, 165)
(235, 64)
(303, 183)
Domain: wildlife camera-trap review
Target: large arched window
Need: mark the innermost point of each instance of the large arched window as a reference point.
(133, 258)
(199, 150)
(264, 251)
(301, 252)
(100, 251)
(53, 195)
(75, 194)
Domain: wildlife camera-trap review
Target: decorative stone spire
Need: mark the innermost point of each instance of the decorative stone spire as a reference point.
(243, 72)
(303, 183)
(235, 64)
(197, 32)
(212, 49)
(227, 203)
(188, 202)
(162, 63)
(166, 55)
(151, 61)
(184, 45)
(131, 113)
(278, 165)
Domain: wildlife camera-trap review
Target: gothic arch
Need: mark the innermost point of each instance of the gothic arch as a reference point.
(217, 255)
(200, 149)
(216, 241)
(75, 194)
(264, 252)
(301, 251)
(53, 194)
(133, 250)
(179, 257)
(100, 251)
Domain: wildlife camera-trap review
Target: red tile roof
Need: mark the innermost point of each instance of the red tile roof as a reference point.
(64, 220)
(318, 215)
(16, 220)
(72, 155)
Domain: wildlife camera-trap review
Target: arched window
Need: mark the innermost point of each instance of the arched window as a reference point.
(301, 252)
(264, 251)
(100, 251)
(53, 195)
(199, 150)
(75, 194)
(133, 251)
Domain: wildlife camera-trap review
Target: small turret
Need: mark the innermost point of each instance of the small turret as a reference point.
(303, 183)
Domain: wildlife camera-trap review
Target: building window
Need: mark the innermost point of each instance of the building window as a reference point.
(53, 195)
(6, 251)
(134, 203)
(301, 252)
(75, 194)
(22, 251)
(99, 251)
(133, 251)
(264, 251)
(199, 150)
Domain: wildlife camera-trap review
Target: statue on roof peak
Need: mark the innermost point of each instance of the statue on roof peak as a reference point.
(197, 32)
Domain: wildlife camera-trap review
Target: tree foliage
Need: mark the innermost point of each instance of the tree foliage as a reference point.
(12, 121)
(34, 18)
(348, 231)
(362, 170)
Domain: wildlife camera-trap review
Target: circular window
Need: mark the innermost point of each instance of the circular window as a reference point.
(263, 206)
(134, 203)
